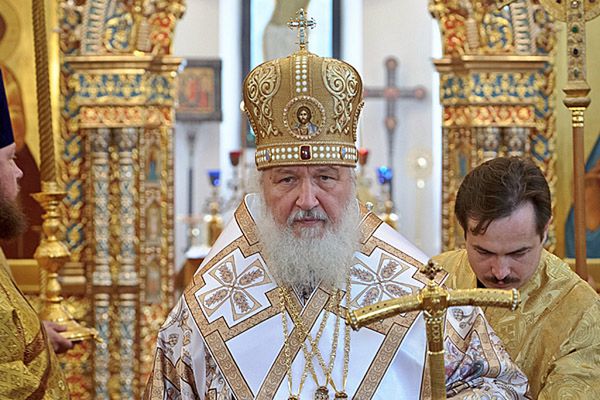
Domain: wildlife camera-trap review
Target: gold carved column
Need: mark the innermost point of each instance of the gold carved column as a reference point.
(496, 84)
(117, 115)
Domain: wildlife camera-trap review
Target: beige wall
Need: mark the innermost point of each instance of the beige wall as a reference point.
(564, 170)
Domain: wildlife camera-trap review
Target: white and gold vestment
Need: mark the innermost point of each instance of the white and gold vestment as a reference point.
(225, 339)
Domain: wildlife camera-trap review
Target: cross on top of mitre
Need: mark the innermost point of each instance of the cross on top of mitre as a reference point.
(301, 23)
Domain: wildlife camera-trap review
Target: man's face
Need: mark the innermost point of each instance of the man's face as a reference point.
(9, 173)
(12, 220)
(307, 198)
(303, 116)
(507, 254)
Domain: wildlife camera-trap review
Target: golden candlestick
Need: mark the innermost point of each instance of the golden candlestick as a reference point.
(433, 300)
(51, 255)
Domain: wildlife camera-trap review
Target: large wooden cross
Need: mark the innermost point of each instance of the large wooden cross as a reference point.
(391, 93)
(433, 300)
(575, 13)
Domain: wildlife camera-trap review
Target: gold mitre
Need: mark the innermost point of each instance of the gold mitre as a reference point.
(303, 109)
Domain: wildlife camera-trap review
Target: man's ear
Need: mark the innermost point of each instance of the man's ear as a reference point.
(546, 228)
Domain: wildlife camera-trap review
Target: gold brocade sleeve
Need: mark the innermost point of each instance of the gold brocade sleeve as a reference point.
(575, 374)
(28, 367)
(19, 380)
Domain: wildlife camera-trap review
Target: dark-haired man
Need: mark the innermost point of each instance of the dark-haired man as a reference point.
(504, 207)
(28, 367)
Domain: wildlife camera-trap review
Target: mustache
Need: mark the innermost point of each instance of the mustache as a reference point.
(302, 215)
(507, 280)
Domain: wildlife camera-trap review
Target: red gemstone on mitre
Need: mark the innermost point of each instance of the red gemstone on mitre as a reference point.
(305, 153)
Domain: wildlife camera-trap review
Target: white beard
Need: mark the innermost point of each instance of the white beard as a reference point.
(310, 259)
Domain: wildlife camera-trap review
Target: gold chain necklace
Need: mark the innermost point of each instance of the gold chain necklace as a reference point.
(322, 392)
(308, 366)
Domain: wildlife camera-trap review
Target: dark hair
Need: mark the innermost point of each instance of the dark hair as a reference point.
(498, 187)
(304, 108)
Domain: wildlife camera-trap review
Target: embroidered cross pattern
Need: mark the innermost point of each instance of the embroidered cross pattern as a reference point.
(380, 284)
(234, 288)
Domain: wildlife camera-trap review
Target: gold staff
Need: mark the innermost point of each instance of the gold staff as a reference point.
(433, 300)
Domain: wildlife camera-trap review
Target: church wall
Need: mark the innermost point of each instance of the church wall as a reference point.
(564, 137)
(403, 29)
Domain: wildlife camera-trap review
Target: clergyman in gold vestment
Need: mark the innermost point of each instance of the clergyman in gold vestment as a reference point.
(554, 336)
(28, 367)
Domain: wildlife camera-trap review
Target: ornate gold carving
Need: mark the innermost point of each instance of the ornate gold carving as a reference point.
(163, 16)
(577, 116)
(121, 116)
(498, 29)
(115, 78)
(100, 171)
(341, 82)
(127, 318)
(500, 115)
(93, 20)
(102, 357)
(262, 85)
(497, 99)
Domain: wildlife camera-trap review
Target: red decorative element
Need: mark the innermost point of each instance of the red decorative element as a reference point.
(363, 155)
(305, 152)
(234, 157)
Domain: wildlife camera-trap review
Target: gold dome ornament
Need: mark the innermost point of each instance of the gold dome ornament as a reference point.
(303, 108)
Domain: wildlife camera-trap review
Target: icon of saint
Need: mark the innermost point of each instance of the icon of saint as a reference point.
(304, 126)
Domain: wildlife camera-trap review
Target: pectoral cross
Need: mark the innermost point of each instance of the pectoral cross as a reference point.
(433, 300)
(575, 13)
(301, 23)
